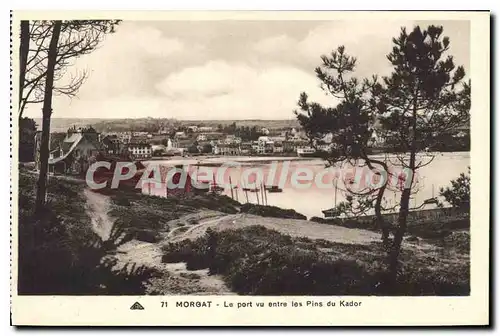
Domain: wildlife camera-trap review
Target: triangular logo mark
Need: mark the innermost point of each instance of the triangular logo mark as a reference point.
(137, 306)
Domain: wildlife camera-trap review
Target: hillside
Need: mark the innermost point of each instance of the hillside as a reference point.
(118, 125)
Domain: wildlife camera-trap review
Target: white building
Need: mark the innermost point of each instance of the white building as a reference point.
(140, 150)
(278, 147)
(223, 149)
(205, 129)
(264, 145)
(232, 139)
(124, 137)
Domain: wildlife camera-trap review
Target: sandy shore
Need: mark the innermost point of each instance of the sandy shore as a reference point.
(219, 160)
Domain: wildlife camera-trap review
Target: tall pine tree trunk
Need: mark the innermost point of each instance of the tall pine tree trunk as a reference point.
(379, 217)
(47, 111)
(405, 201)
(24, 48)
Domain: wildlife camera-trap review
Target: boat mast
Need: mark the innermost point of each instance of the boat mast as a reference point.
(335, 197)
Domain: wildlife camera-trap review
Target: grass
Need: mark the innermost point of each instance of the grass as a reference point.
(146, 217)
(258, 261)
(59, 254)
(271, 211)
(433, 229)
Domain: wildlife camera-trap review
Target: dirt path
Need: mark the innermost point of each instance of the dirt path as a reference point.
(180, 280)
(175, 278)
(98, 206)
(199, 229)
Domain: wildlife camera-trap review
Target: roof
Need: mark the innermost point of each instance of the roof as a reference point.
(185, 143)
(232, 145)
(139, 144)
(72, 137)
(110, 137)
(70, 143)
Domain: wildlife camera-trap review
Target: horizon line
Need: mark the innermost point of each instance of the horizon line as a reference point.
(117, 118)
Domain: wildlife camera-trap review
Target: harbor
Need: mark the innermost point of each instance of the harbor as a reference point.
(445, 167)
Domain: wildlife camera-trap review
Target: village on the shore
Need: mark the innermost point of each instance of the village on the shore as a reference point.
(93, 221)
(71, 151)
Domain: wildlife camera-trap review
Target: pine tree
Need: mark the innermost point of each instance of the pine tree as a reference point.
(424, 96)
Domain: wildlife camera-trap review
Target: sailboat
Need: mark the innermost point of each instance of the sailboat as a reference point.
(215, 187)
(273, 189)
(251, 189)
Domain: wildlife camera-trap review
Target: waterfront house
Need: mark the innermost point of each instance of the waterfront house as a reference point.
(278, 147)
(232, 139)
(182, 145)
(290, 146)
(226, 149)
(264, 145)
(246, 148)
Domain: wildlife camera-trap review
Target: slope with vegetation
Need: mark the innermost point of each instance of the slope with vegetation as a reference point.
(257, 261)
(60, 254)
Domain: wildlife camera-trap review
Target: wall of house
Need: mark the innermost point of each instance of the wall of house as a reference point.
(141, 151)
(80, 159)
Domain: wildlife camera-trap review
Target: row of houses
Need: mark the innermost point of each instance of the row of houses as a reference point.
(264, 145)
(80, 147)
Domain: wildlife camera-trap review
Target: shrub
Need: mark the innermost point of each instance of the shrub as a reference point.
(258, 261)
(59, 254)
(120, 199)
(153, 212)
(148, 236)
(458, 240)
(458, 195)
(318, 220)
(270, 211)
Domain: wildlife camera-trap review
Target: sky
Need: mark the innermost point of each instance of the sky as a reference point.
(227, 69)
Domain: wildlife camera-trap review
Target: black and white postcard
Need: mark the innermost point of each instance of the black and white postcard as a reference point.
(250, 168)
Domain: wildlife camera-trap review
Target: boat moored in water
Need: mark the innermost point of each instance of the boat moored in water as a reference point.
(251, 189)
(273, 189)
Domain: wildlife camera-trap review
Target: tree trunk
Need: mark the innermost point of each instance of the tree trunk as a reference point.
(24, 47)
(379, 218)
(405, 201)
(399, 233)
(381, 223)
(47, 111)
